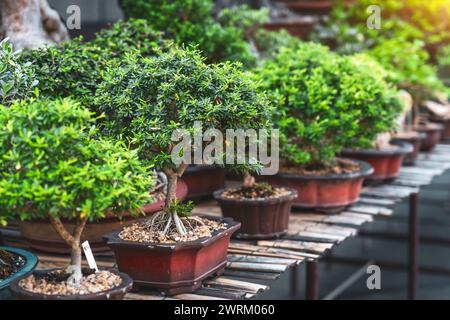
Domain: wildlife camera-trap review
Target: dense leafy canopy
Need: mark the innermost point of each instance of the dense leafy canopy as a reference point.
(326, 102)
(17, 80)
(75, 68)
(192, 22)
(51, 164)
(147, 99)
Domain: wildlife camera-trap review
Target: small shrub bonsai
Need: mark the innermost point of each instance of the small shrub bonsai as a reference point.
(147, 99)
(74, 68)
(54, 168)
(325, 102)
(16, 80)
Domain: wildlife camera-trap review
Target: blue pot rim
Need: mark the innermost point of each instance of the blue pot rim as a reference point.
(30, 264)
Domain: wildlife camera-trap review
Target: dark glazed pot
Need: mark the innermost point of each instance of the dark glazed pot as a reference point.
(415, 139)
(386, 163)
(116, 293)
(300, 28)
(26, 270)
(433, 132)
(173, 268)
(260, 218)
(203, 180)
(311, 7)
(41, 236)
(329, 193)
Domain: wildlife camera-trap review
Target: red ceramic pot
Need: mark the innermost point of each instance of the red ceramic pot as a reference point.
(116, 293)
(415, 139)
(445, 135)
(173, 268)
(40, 235)
(203, 180)
(260, 218)
(386, 163)
(330, 193)
(433, 132)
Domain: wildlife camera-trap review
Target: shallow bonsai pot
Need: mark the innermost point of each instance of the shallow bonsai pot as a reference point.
(445, 135)
(173, 268)
(315, 7)
(203, 180)
(415, 138)
(260, 218)
(116, 293)
(433, 132)
(40, 234)
(386, 163)
(30, 264)
(330, 193)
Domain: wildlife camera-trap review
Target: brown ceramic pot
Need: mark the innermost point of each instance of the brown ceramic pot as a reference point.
(203, 180)
(116, 293)
(433, 132)
(330, 193)
(415, 139)
(40, 235)
(386, 163)
(314, 7)
(260, 218)
(300, 28)
(445, 135)
(173, 268)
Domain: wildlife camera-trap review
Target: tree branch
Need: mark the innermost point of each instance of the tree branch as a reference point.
(61, 230)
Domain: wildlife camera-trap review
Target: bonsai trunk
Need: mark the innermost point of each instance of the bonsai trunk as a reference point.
(172, 179)
(31, 23)
(249, 181)
(73, 240)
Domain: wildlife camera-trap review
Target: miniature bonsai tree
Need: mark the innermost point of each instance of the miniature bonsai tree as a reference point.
(74, 68)
(147, 99)
(325, 102)
(53, 167)
(16, 80)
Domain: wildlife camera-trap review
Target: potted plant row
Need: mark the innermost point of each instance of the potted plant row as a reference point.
(172, 251)
(55, 167)
(325, 102)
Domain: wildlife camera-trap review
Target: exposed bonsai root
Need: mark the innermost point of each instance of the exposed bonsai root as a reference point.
(170, 223)
(75, 275)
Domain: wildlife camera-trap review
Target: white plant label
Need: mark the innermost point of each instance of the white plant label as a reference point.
(89, 256)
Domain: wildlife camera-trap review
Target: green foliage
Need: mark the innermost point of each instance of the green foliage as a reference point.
(269, 43)
(183, 210)
(407, 63)
(75, 68)
(192, 22)
(16, 80)
(408, 20)
(149, 98)
(51, 164)
(325, 102)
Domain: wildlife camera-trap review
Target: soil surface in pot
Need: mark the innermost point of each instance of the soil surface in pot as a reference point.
(258, 191)
(341, 166)
(143, 231)
(10, 263)
(55, 283)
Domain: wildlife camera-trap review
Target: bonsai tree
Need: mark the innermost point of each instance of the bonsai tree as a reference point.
(54, 168)
(147, 99)
(16, 80)
(220, 37)
(413, 74)
(74, 68)
(325, 102)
